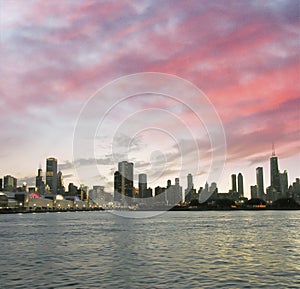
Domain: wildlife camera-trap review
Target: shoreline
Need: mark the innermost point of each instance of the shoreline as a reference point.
(27, 211)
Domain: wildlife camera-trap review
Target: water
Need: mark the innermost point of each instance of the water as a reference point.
(240, 249)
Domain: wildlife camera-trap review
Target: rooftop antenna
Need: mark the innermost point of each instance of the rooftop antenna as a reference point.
(273, 150)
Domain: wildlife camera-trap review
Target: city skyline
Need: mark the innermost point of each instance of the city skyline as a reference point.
(132, 185)
(243, 56)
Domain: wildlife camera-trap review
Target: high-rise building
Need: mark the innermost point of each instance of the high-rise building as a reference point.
(10, 183)
(51, 174)
(253, 190)
(213, 191)
(117, 187)
(72, 189)
(169, 183)
(240, 185)
(126, 174)
(1, 184)
(189, 192)
(274, 172)
(283, 178)
(190, 184)
(260, 183)
(39, 183)
(174, 193)
(60, 183)
(233, 182)
(143, 186)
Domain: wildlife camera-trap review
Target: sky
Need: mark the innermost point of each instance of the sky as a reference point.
(93, 83)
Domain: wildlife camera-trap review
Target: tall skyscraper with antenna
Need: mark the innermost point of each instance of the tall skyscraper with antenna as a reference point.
(274, 171)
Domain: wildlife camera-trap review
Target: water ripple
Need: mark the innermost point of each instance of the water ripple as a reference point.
(172, 250)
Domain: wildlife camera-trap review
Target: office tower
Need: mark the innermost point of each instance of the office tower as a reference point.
(10, 184)
(174, 193)
(274, 172)
(240, 185)
(260, 182)
(143, 186)
(253, 190)
(295, 190)
(117, 187)
(233, 182)
(190, 184)
(39, 183)
(213, 191)
(1, 184)
(51, 174)
(149, 193)
(126, 172)
(72, 189)
(39, 179)
(206, 187)
(169, 183)
(213, 188)
(283, 178)
(60, 183)
(190, 192)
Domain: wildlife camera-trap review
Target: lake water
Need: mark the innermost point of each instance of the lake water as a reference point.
(231, 249)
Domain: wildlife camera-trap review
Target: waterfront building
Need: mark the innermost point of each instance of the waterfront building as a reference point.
(213, 188)
(240, 185)
(174, 193)
(10, 183)
(253, 191)
(143, 186)
(117, 187)
(123, 182)
(233, 182)
(149, 193)
(169, 183)
(283, 178)
(190, 184)
(190, 191)
(274, 172)
(294, 190)
(260, 183)
(39, 183)
(51, 174)
(72, 190)
(60, 183)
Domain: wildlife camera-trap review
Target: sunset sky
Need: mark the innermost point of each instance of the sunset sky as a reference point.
(242, 55)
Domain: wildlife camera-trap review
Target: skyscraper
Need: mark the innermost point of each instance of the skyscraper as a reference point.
(253, 190)
(39, 182)
(143, 186)
(174, 193)
(60, 183)
(126, 174)
(51, 174)
(240, 185)
(190, 184)
(283, 178)
(10, 184)
(117, 187)
(274, 172)
(260, 182)
(190, 188)
(233, 181)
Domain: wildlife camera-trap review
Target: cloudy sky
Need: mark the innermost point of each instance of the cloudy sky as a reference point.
(56, 56)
